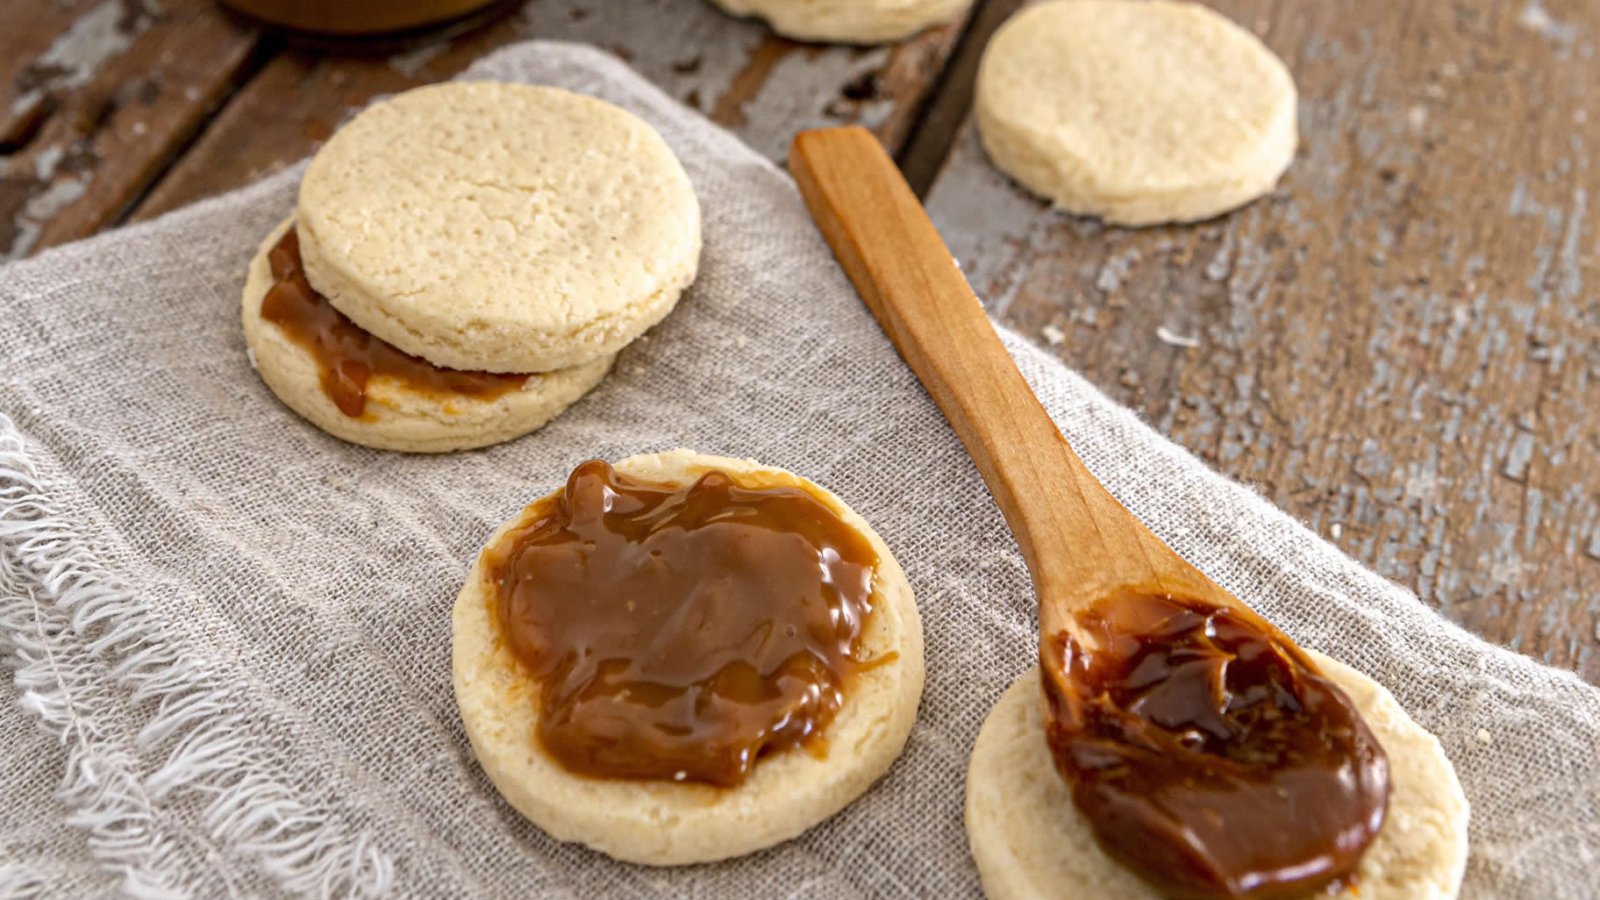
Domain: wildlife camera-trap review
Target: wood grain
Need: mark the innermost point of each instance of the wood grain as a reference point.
(96, 96)
(763, 87)
(1402, 345)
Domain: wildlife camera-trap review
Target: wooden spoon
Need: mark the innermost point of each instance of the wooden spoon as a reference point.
(1080, 544)
(1231, 829)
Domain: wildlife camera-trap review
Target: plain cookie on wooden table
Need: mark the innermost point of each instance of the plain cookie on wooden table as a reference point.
(1136, 112)
(499, 227)
(676, 822)
(1031, 843)
(849, 21)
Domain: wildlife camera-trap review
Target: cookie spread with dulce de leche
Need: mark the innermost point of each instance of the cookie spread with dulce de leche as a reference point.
(683, 632)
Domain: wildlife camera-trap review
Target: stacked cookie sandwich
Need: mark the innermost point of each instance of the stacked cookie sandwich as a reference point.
(465, 262)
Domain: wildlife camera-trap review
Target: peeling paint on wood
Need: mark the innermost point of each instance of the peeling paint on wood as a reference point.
(95, 98)
(1401, 345)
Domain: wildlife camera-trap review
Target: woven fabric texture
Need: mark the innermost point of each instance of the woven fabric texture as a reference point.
(230, 633)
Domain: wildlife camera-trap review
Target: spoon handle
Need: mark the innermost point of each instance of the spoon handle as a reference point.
(1078, 541)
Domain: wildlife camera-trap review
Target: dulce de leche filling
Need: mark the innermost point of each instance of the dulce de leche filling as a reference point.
(347, 356)
(683, 632)
(1209, 754)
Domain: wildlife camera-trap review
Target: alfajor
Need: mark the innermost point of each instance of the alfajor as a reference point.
(465, 261)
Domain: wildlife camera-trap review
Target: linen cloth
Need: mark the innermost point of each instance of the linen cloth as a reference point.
(230, 632)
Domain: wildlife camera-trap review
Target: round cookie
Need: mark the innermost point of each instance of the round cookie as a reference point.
(1136, 112)
(848, 21)
(398, 418)
(1029, 841)
(661, 823)
(498, 227)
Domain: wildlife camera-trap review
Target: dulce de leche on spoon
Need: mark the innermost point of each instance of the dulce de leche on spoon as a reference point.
(1207, 752)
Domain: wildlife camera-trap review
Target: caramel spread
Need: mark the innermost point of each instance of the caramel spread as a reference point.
(347, 356)
(1209, 754)
(681, 633)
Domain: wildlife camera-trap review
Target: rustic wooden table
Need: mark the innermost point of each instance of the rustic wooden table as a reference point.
(1401, 346)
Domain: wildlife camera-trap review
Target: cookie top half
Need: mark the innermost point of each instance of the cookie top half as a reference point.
(498, 227)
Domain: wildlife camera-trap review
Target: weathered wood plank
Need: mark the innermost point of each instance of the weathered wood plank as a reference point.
(764, 87)
(96, 98)
(925, 152)
(1402, 346)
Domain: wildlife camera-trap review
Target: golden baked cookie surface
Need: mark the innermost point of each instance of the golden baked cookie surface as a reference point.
(499, 228)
